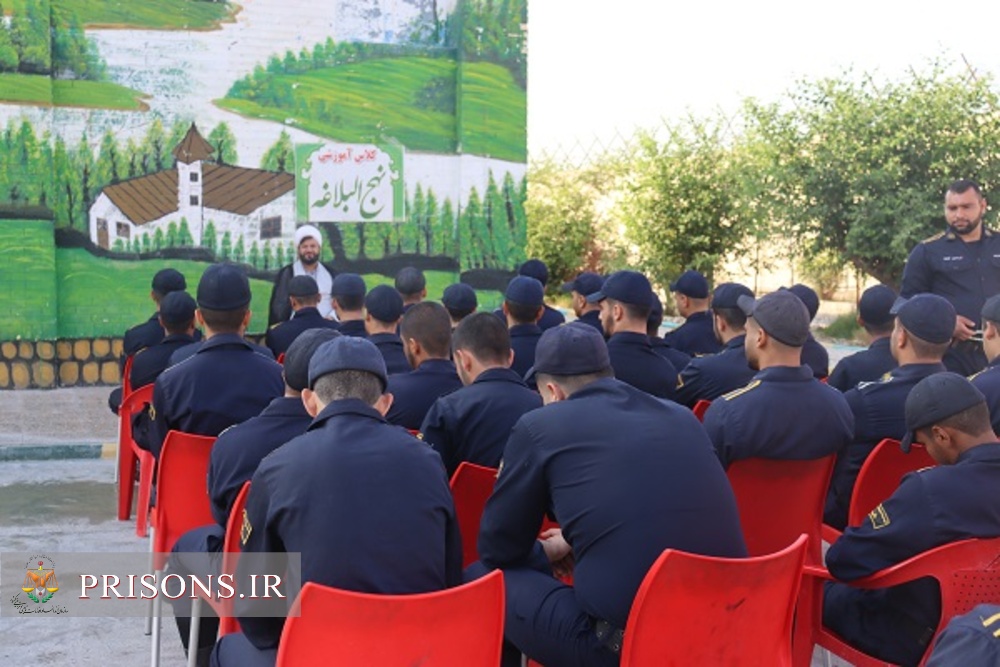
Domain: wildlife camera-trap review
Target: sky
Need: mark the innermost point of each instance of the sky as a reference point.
(597, 67)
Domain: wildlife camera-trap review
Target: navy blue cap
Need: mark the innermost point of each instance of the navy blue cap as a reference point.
(929, 317)
(347, 353)
(177, 308)
(586, 284)
(223, 287)
(169, 280)
(875, 306)
(692, 284)
(348, 284)
(627, 287)
(535, 268)
(571, 349)
(459, 298)
(727, 295)
(781, 314)
(303, 286)
(991, 309)
(808, 296)
(936, 398)
(525, 291)
(384, 303)
(655, 308)
(410, 280)
(300, 352)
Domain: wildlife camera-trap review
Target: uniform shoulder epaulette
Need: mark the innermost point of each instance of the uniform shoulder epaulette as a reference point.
(977, 374)
(936, 237)
(275, 325)
(742, 390)
(885, 379)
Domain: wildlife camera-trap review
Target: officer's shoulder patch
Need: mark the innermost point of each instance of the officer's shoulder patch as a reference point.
(152, 412)
(275, 325)
(990, 620)
(879, 517)
(977, 374)
(742, 390)
(680, 380)
(936, 237)
(245, 528)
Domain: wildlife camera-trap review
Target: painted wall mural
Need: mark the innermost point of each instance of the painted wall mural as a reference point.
(136, 135)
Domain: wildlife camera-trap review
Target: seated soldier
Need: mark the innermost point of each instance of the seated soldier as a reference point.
(969, 639)
(691, 296)
(579, 289)
(953, 501)
(411, 285)
(460, 301)
(303, 294)
(814, 355)
(678, 359)
(383, 309)
(988, 379)
(869, 365)
(523, 305)
(536, 268)
(348, 297)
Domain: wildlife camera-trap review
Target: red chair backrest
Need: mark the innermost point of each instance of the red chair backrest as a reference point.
(457, 627)
(181, 489)
(699, 610)
(230, 558)
(132, 403)
(471, 486)
(126, 376)
(881, 474)
(700, 408)
(779, 500)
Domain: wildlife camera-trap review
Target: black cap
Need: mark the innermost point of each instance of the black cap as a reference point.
(936, 398)
(991, 309)
(169, 280)
(727, 295)
(586, 284)
(384, 303)
(808, 296)
(300, 352)
(535, 268)
(525, 291)
(177, 308)
(459, 298)
(929, 317)
(303, 286)
(627, 287)
(781, 314)
(571, 349)
(410, 280)
(348, 284)
(655, 309)
(875, 306)
(223, 287)
(347, 353)
(692, 284)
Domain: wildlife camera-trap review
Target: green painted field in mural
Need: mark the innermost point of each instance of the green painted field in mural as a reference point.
(27, 274)
(159, 15)
(40, 89)
(405, 99)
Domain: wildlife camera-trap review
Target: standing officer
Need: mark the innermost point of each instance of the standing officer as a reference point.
(952, 501)
(920, 337)
(988, 379)
(384, 307)
(303, 293)
(679, 359)
(871, 364)
(348, 296)
(308, 246)
(536, 268)
(741, 424)
(814, 355)
(695, 336)
(366, 505)
(472, 424)
(711, 376)
(523, 305)
(625, 301)
(626, 475)
(579, 289)
(962, 264)
(226, 381)
(460, 301)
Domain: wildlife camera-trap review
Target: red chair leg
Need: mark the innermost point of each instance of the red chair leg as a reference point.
(126, 480)
(147, 466)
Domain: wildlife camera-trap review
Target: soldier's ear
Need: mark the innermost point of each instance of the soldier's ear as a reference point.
(311, 402)
(383, 404)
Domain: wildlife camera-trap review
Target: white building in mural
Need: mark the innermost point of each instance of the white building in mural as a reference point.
(254, 204)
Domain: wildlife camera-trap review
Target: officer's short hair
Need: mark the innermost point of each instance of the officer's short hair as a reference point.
(303, 301)
(428, 323)
(484, 336)
(523, 313)
(573, 383)
(350, 301)
(223, 321)
(653, 321)
(973, 421)
(173, 328)
(341, 385)
(733, 317)
(877, 329)
(926, 349)
(963, 185)
(633, 310)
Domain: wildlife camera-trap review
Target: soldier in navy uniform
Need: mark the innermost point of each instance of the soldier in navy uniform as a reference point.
(625, 474)
(814, 355)
(426, 333)
(869, 365)
(314, 495)
(472, 423)
(523, 305)
(625, 301)
(953, 501)
(691, 296)
(348, 298)
(988, 379)
(303, 294)
(970, 639)
(962, 264)
(460, 301)
(678, 359)
(383, 310)
(536, 268)
(710, 376)
(920, 337)
(227, 380)
(579, 289)
(411, 285)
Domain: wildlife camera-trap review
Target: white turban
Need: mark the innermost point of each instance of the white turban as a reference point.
(306, 232)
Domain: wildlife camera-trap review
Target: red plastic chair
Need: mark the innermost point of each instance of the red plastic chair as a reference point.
(457, 627)
(700, 408)
(968, 573)
(881, 474)
(471, 486)
(128, 453)
(699, 610)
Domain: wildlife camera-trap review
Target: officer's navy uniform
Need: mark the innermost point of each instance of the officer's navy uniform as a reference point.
(225, 382)
(708, 377)
(931, 507)
(988, 382)
(626, 476)
(878, 414)
(970, 639)
(147, 334)
(473, 423)
(593, 318)
(391, 348)
(149, 362)
(964, 273)
(742, 424)
(815, 356)
(635, 362)
(550, 318)
(280, 336)
(864, 366)
(415, 392)
(187, 351)
(696, 336)
(366, 505)
(523, 339)
(354, 328)
(678, 359)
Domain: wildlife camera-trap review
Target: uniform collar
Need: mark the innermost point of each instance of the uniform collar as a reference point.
(347, 406)
(630, 338)
(155, 317)
(179, 338)
(602, 386)
(594, 315)
(308, 311)
(736, 342)
(385, 338)
(285, 406)
(801, 373)
(879, 343)
(525, 330)
(916, 371)
(499, 375)
(700, 315)
(442, 366)
(984, 452)
(220, 340)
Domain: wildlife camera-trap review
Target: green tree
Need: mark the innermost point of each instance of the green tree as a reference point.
(172, 234)
(9, 59)
(226, 249)
(146, 245)
(107, 166)
(253, 258)
(239, 252)
(136, 247)
(280, 156)
(266, 257)
(224, 141)
(158, 239)
(444, 229)
(209, 237)
(184, 238)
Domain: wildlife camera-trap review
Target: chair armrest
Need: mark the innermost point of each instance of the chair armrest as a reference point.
(829, 534)
(817, 571)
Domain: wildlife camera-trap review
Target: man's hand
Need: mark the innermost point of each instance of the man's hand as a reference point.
(964, 328)
(558, 551)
